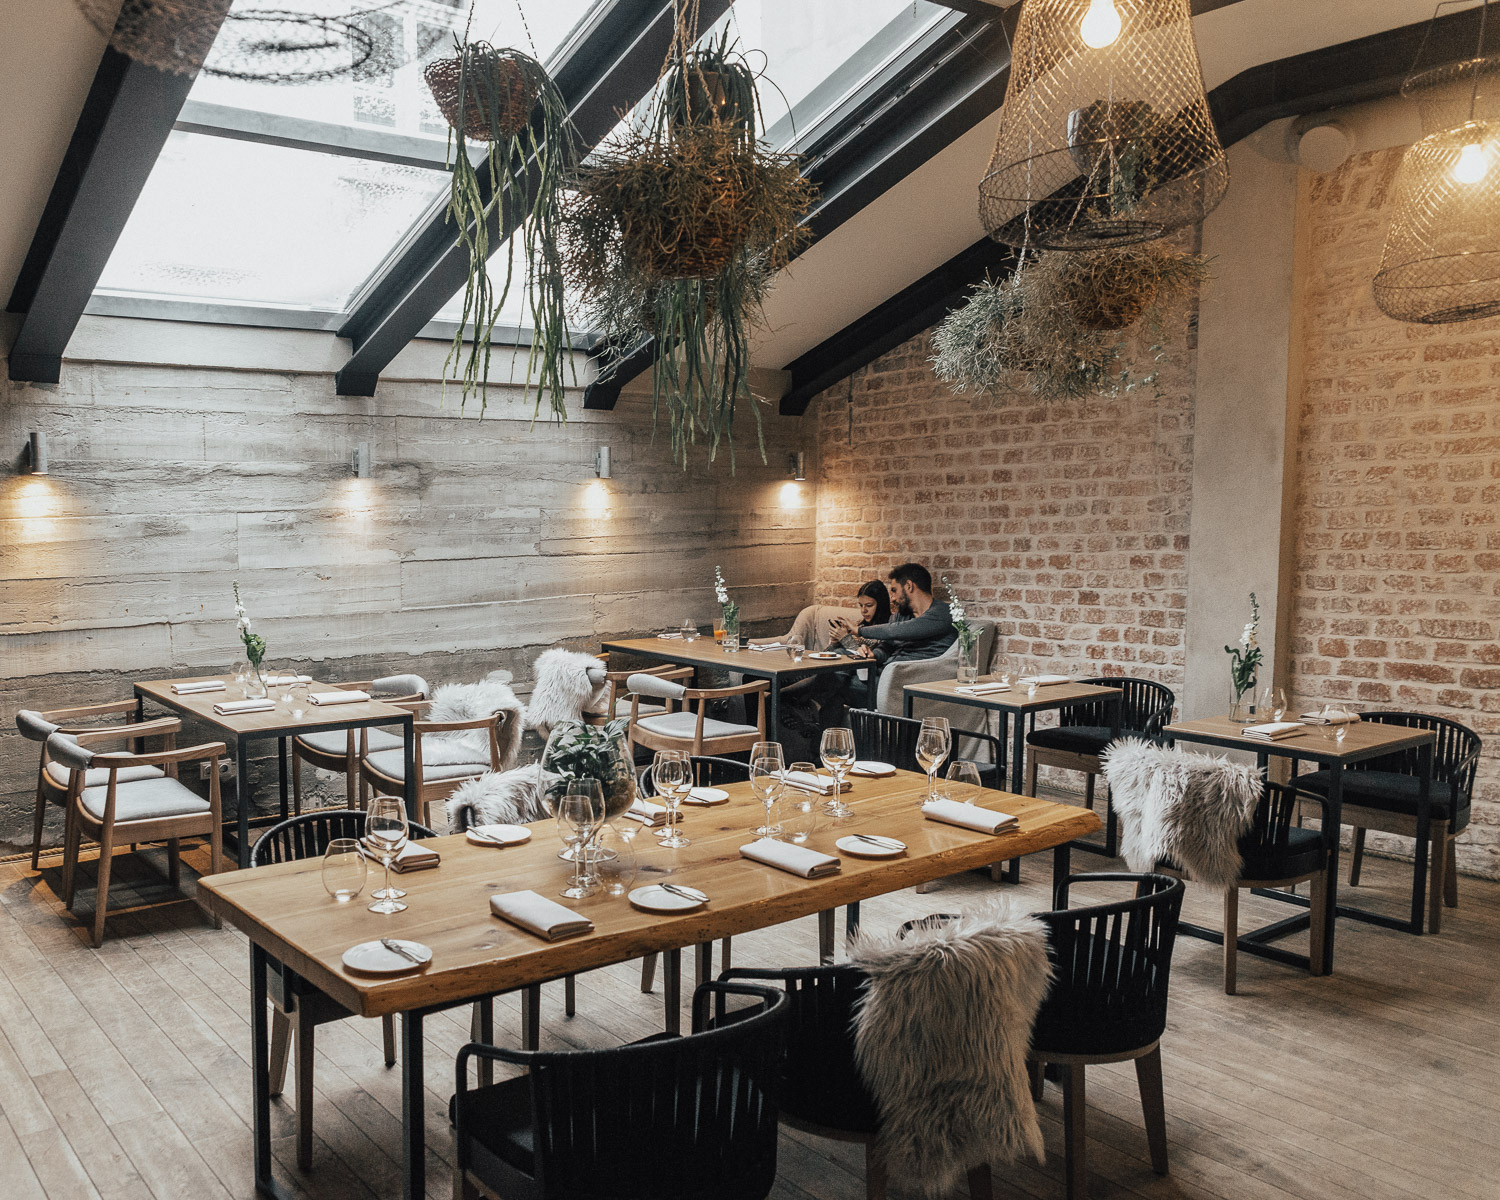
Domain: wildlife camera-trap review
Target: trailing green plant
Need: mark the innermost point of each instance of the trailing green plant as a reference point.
(506, 99)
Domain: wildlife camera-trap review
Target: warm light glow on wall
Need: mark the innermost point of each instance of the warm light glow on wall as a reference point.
(596, 498)
(357, 498)
(35, 500)
(791, 494)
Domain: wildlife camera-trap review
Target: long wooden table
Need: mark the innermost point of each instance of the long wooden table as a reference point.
(287, 915)
(776, 666)
(278, 724)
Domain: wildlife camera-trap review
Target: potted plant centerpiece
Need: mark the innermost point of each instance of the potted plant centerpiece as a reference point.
(729, 613)
(968, 637)
(1244, 661)
(255, 648)
(576, 751)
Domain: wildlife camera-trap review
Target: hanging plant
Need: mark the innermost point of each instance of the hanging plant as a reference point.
(506, 100)
(678, 230)
(1115, 288)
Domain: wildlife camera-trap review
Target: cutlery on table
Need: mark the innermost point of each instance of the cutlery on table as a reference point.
(686, 893)
(397, 948)
(883, 842)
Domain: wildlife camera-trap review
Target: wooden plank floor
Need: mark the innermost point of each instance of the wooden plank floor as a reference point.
(124, 1071)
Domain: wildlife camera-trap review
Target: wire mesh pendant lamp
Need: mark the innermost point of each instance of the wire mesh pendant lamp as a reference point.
(1105, 137)
(1441, 261)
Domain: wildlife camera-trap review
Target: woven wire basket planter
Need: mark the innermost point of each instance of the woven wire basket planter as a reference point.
(1102, 147)
(170, 35)
(499, 90)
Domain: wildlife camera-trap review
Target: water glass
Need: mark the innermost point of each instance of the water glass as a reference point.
(934, 742)
(837, 752)
(963, 783)
(689, 631)
(767, 780)
(672, 776)
(385, 836)
(795, 650)
(799, 814)
(614, 858)
(1273, 701)
(344, 869)
(238, 672)
(578, 815)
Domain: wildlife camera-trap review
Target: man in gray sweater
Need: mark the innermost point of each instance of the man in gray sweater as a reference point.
(921, 627)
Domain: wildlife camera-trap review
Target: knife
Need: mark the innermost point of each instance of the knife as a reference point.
(396, 947)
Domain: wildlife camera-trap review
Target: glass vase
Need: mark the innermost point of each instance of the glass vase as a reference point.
(968, 662)
(731, 640)
(255, 682)
(578, 751)
(1242, 703)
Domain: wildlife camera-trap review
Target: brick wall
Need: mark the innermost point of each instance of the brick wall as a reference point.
(1396, 583)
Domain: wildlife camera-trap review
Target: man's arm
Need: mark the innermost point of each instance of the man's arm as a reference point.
(933, 623)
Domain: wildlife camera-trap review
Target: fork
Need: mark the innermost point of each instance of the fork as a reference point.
(396, 947)
(685, 892)
(884, 843)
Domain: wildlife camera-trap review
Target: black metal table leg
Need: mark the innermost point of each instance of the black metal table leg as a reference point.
(409, 765)
(906, 698)
(1017, 752)
(1335, 818)
(1062, 864)
(242, 798)
(671, 986)
(260, 1078)
(1424, 833)
(773, 711)
(413, 1130)
(283, 776)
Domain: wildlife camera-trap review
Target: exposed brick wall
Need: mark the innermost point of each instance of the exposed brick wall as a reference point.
(1396, 583)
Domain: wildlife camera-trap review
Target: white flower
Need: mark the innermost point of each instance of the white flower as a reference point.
(244, 624)
(720, 590)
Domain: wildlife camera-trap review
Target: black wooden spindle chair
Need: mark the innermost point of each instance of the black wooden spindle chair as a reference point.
(669, 1118)
(1382, 794)
(1111, 965)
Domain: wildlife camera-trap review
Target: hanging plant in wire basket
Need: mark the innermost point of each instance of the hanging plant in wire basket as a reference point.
(505, 99)
(677, 230)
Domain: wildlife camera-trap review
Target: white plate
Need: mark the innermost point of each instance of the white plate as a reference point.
(706, 796)
(825, 655)
(506, 835)
(374, 959)
(863, 849)
(655, 898)
(872, 768)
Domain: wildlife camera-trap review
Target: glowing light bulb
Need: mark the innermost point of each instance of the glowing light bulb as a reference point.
(1472, 166)
(1101, 25)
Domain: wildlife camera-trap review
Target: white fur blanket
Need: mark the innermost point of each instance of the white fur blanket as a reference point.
(511, 797)
(568, 684)
(1185, 810)
(941, 1039)
(467, 702)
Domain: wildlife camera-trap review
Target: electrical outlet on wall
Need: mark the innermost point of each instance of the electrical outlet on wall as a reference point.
(203, 771)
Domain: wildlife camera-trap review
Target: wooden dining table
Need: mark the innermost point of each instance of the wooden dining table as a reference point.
(276, 724)
(288, 916)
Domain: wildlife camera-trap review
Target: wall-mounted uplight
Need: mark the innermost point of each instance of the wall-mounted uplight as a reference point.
(602, 463)
(36, 453)
(796, 465)
(361, 461)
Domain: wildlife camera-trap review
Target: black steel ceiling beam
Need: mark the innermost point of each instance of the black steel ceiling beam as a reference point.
(615, 63)
(125, 122)
(1365, 69)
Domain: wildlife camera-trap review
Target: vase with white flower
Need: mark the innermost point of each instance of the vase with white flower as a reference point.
(727, 627)
(1244, 662)
(255, 648)
(968, 637)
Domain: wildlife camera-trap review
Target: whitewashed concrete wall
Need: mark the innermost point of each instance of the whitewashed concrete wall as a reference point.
(476, 544)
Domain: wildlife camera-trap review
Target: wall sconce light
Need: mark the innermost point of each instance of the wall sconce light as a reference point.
(36, 453)
(797, 465)
(602, 464)
(361, 461)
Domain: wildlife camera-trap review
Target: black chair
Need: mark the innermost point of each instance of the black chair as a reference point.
(1111, 964)
(1082, 732)
(1382, 794)
(670, 1118)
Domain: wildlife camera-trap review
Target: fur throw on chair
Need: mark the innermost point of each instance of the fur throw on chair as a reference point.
(1184, 810)
(468, 702)
(511, 797)
(941, 1039)
(568, 684)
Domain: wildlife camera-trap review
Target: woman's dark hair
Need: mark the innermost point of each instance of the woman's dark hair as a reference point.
(881, 594)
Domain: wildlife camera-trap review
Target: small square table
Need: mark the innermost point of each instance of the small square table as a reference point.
(1364, 740)
(277, 723)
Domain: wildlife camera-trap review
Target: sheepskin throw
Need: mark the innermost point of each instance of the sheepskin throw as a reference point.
(511, 797)
(1185, 810)
(468, 702)
(568, 684)
(941, 1040)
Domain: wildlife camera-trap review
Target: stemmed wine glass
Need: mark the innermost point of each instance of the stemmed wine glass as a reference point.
(672, 773)
(837, 752)
(934, 741)
(578, 815)
(768, 779)
(385, 837)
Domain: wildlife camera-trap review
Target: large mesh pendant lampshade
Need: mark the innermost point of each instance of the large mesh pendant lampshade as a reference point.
(1441, 261)
(1105, 138)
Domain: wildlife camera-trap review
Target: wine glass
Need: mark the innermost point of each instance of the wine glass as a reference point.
(578, 814)
(934, 741)
(344, 869)
(385, 837)
(1273, 701)
(767, 779)
(795, 650)
(963, 781)
(672, 774)
(837, 753)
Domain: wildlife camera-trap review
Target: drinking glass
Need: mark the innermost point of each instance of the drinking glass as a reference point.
(240, 669)
(767, 771)
(934, 741)
(689, 630)
(799, 814)
(672, 774)
(963, 782)
(578, 815)
(614, 859)
(795, 651)
(837, 752)
(1273, 701)
(344, 869)
(385, 836)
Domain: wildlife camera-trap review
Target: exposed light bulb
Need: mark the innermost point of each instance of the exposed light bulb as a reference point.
(1472, 166)
(1101, 25)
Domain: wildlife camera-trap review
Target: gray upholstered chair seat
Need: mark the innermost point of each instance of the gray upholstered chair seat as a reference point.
(98, 776)
(389, 764)
(685, 725)
(336, 741)
(145, 800)
(622, 708)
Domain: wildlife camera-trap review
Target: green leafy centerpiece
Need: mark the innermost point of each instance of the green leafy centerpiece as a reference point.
(1244, 662)
(576, 751)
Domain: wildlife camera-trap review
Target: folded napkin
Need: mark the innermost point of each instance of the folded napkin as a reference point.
(769, 646)
(982, 689)
(1336, 716)
(206, 685)
(415, 856)
(970, 816)
(339, 697)
(799, 860)
(234, 708)
(663, 637)
(647, 814)
(538, 915)
(1044, 680)
(1274, 731)
(283, 680)
(822, 784)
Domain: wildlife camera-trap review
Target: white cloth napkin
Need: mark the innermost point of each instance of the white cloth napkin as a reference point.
(982, 689)
(234, 708)
(769, 646)
(970, 816)
(647, 813)
(799, 860)
(339, 697)
(1273, 731)
(802, 781)
(283, 680)
(664, 637)
(536, 914)
(1044, 680)
(1335, 716)
(206, 685)
(415, 856)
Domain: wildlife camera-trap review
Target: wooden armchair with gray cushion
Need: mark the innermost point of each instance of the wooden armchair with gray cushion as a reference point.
(689, 729)
(339, 750)
(437, 778)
